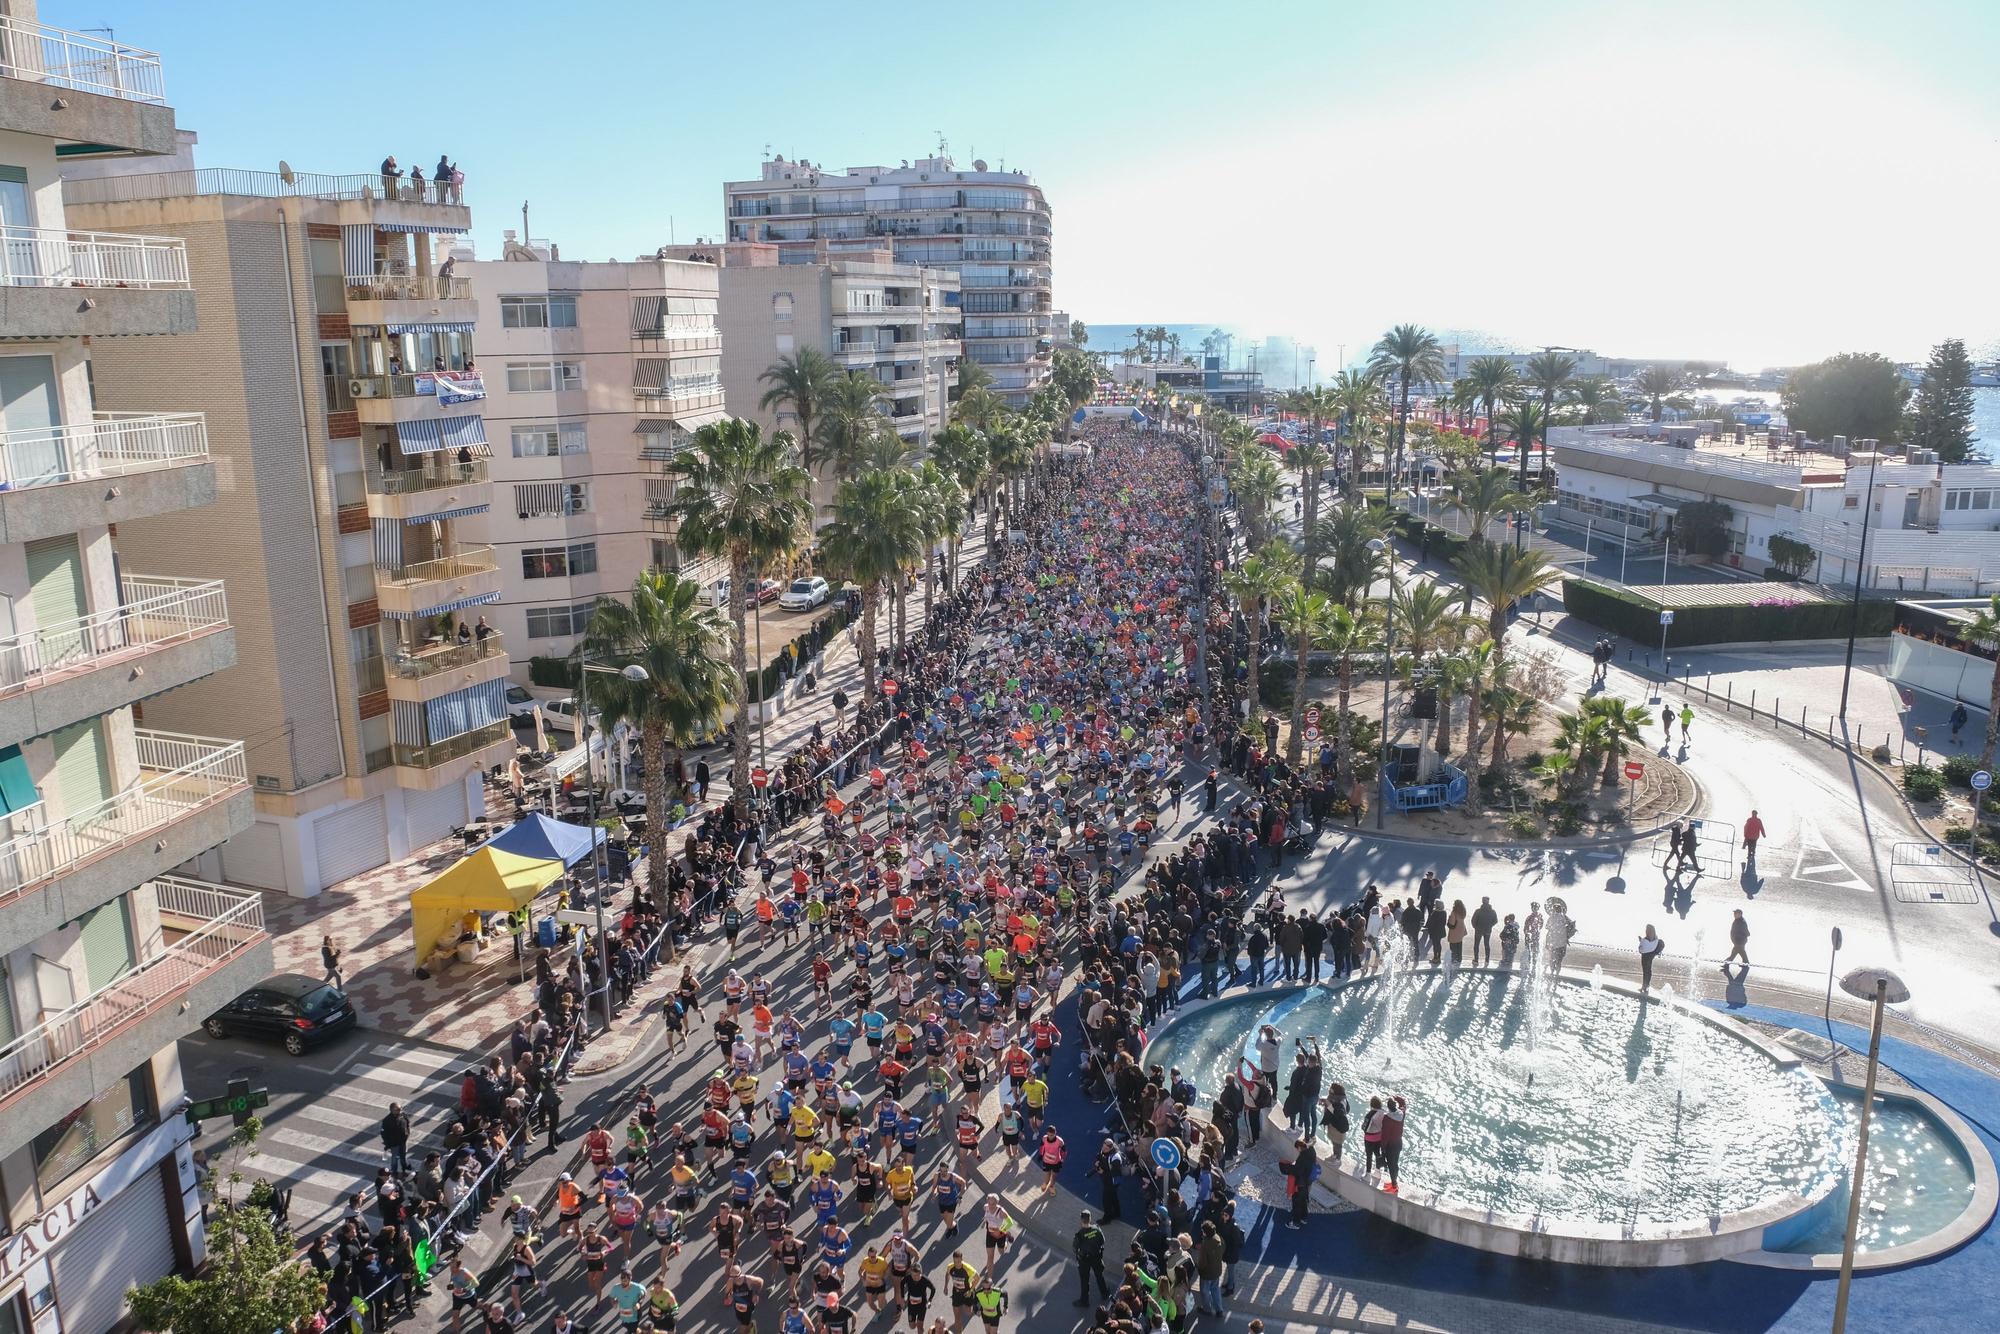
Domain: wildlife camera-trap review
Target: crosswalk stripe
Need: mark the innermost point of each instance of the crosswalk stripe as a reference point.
(320, 1148)
(435, 1062)
(335, 1186)
(391, 1074)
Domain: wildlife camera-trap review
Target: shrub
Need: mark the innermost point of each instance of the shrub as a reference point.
(552, 672)
(1958, 832)
(1523, 825)
(1923, 783)
(1958, 770)
(1625, 613)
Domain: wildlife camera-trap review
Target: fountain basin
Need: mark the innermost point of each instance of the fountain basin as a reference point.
(1734, 1139)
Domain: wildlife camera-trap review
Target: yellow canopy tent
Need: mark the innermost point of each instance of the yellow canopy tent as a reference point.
(488, 881)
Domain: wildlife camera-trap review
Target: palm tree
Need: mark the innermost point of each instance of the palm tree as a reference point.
(743, 496)
(1257, 483)
(1484, 496)
(1349, 635)
(1513, 712)
(1984, 630)
(1408, 353)
(1500, 576)
(1310, 619)
(961, 452)
(1522, 422)
(874, 532)
(1580, 740)
(944, 520)
(978, 407)
(1491, 379)
(800, 382)
(687, 689)
(1255, 582)
(1309, 459)
(1661, 387)
(1600, 400)
(850, 416)
(1075, 379)
(971, 376)
(1548, 372)
(1010, 453)
(1343, 539)
(1426, 617)
(1622, 725)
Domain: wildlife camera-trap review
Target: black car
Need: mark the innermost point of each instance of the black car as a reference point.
(298, 1010)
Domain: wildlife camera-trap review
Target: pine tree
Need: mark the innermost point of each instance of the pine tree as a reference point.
(1941, 417)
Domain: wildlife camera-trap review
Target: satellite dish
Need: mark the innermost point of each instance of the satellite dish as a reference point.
(285, 173)
(979, 164)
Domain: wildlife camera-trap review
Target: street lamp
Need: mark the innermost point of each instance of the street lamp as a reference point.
(1884, 981)
(1860, 574)
(1379, 547)
(599, 870)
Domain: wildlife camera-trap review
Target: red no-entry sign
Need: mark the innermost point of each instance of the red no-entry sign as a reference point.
(1634, 770)
(890, 688)
(758, 778)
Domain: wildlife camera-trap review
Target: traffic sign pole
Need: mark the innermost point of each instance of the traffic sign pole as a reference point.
(1666, 668)
(1981, 780)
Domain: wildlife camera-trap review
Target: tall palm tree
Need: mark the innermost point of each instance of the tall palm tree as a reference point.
(741, 495)
(1485, 496)
(1622, 726)
(1598, 400)
(1427, 618)
(874, 535)
(1984, 630)
(1308, 459)
(1257, 483)
(1343, 539)
(961, 452)
(978, 407)
(1409, 354)
(1010, 453)
(1500, 576)
(1491, 379)
(944, 520)
(1255, 582)
(1349, 636)
(1076, 380)
(850, 417)
(689, 683)
(1521, 422)
(1309, 618)
(971, 376)
(1662, 387)
(800, 382)
(1548, 373)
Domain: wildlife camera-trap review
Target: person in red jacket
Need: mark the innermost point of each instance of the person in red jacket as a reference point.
(1392, 1138)
(1753, 829)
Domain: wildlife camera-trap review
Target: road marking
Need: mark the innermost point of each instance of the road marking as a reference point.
(391, 1074)
(282, 1173)
(1825, 866)
(431, 1060)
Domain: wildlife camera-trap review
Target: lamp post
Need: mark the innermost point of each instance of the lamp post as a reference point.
(599, 871)
(1883, 981)
(1381, 548)
(1860, 574)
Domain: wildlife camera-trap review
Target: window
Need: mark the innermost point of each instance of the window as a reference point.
(666, 556)
(548, 439)
(859, 299)
(540, 377)
(538, 499)
(336, 366)
(329, 283)
(538, 312)
(560, 621)
(781, 307)
(74, 1140)
(559, 562)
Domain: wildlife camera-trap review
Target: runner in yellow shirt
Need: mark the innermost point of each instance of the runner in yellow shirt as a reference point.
(902, 1180)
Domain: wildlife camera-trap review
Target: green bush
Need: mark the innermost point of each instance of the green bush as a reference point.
(1625, 613)
(552, 672)
(1923, 783)
(1958, 770)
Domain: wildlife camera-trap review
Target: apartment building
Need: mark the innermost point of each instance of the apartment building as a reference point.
(899, 323)
(992, 228)
(334, 363)
(596, 375)
(107, 959)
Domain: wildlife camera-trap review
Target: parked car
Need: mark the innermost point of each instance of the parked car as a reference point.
(294, 1009)
(764, 593)
(716, 594)
(805, 594)
(520, 704)
(560, 715)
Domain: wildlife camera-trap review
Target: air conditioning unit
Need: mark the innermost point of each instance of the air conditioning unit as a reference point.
(360, 388)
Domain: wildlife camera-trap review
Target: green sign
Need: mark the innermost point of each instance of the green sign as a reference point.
(237, 1105)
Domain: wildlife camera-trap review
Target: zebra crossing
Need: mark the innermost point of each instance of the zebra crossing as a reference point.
(324, 1143)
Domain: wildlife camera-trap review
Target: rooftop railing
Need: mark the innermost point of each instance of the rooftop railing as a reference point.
(53, 257)
(230, 181)
(74, 60)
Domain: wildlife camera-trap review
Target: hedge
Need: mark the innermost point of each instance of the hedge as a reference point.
(552, 672)
(1638, 618)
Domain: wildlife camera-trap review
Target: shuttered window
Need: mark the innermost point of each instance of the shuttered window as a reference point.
(107, 944)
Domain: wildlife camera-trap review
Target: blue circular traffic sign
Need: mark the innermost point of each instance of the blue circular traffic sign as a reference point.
(1166, 1154)
(1981, 780)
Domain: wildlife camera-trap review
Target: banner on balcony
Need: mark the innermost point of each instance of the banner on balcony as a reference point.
(452, 386)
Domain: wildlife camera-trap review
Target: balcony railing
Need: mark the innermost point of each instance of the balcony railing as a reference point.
(452, 748)
(413, 481)
(406, 287)
(153, 614)
(478, 560)
(108, 445)
(65, 59)
(178, 776)
(221, 181)
(227, 924)
(52, 257)
(418, 384)
(446, 657)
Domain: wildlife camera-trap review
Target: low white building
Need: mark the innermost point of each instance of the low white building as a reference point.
(1930, 527)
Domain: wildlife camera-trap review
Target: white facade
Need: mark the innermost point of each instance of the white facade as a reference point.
(993, 228)
(595, 374)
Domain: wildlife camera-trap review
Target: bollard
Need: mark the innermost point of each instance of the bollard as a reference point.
(1729, 696)
(1802, 718)
(1753, 702)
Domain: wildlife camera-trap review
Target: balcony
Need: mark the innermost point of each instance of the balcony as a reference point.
(397, 299)
(389, 400)
(115, 94)
(432, 766)
(857, 353)
(442, 488)
(150, 464)
(909, 314)
(56, 283)
(355, 198)
(433, 587)
(191, 793)
(441, 668)
(165, 633)
(212, 944)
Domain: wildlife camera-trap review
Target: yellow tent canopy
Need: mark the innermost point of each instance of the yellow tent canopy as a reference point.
(488, 881)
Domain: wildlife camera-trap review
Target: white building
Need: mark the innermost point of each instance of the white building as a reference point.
(106, 959)
(993, 228)
(1930, 527)
(596, 374)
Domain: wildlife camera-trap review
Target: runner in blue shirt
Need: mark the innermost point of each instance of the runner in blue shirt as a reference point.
(873, 1025)
(888, 1112)
(742, 1186)
(824, 1196)
(841, 1030)
(908, 1131)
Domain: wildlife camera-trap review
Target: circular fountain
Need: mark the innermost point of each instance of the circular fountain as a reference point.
(1554, 1117)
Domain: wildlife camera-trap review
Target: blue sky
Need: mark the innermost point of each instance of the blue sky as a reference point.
(1763, 180)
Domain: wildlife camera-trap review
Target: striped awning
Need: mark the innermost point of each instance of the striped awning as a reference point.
(649, 374)
(417, 227)
(466, 710)
(648, 314)
(447, 514)
(441, 608)
(653, 426)
(442, 326)
(429, 435)
(357, 249)
(388, 544)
